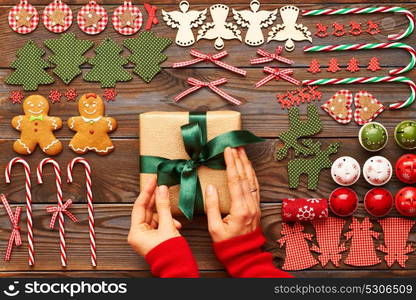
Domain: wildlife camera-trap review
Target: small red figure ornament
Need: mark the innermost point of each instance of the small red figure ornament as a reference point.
(353, 65)
(406, 201)
(322, 30)
(343, 201)
(406, 168)
(339, 29)
(355, 28)
(374, 64)
(378, 202)
(372, 27)
(333, 66)
(314, 67)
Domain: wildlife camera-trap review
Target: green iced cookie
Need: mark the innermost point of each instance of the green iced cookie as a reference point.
(405, 134)
(373, 136)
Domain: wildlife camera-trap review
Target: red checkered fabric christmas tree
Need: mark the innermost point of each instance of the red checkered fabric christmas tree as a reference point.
(353, 65)
(374, 64)
(314, 67)
(333, 66)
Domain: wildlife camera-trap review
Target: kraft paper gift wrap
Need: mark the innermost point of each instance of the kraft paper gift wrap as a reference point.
(160, 135)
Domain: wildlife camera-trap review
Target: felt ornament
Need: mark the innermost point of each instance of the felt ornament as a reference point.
(298, 129)
(184, 20)
(29, 68)
(68, 55)
(254, 19)
(405, 201)
(289, 31)
(405, 134)
(373, 136)
(396, 246)
(147, 54)
(23, 17)
(345, 171)
(107, 65)
(367, 107)
(127, 19)
(152, 18)
(353, 65)
(321, 30)
(57, 16)
(333, 66)
(55, 96)
(304, 209)
(355, 28)
(343, 201)
(92, 18)
(339, 106)
(405, 168)
(328, 232)
(298, 255)
(314, 67)
(372, 27)
(311, 166)
(338, 29)
(16, 97)
(362, 252)
(219, 30)
(378, 202)
(110, 95)
(70, 94)
(374, 64)
(377, 170)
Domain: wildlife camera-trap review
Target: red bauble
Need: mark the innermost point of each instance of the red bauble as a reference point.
(378, 202)
(406, 201)
(406, 168)
(343, 201)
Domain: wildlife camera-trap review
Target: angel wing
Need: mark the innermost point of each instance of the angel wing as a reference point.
(302, 33)
(266, 17)
(232, 32)
(276, 33)
(243, 17)
(196, 17)
(207, 32)
(173, 18)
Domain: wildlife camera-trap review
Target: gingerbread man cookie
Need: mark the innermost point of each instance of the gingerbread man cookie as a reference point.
(36, 127)
(91, 127)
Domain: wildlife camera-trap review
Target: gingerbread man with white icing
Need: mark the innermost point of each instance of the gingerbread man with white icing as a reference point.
(91, 127)
(36, 128)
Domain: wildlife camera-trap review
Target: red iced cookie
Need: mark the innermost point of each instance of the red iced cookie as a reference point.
(406, 168)
(406, 201)
(343, 201)
(378, 202)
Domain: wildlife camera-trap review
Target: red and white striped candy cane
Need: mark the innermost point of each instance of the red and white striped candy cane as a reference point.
(91, 223)
(61, 220)
(29, 214)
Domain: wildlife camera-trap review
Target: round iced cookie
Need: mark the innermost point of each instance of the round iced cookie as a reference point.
(345, 170)
(405, 134)
(377, 170)
(373, 136)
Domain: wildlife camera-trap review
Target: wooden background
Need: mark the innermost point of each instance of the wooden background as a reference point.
(115, 177)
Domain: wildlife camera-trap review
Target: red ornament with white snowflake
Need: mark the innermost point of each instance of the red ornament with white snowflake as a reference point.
(16, 96)
(314, 66)
(110, 95)
(55, 96)
(92, 18)
(57, 16)
(343, 201)
(406, 201)
(333, 66)
(304, 209)
(71, 94)
(378, 202)
(353, 65)
(23, 17)
(406, 168)
(374, 64)
(127, 19)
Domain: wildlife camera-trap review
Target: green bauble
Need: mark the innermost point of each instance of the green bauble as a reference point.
(405, 134)
(373, 136)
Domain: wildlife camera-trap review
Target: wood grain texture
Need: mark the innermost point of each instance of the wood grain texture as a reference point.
(116, 187)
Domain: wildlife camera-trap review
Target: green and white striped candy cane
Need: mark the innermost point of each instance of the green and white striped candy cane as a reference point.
(378, 79)
(349, 47)
(369, 10)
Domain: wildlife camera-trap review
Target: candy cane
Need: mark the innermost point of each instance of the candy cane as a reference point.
(369, 10)
(355, 80)
(61, 221)
(89, 201)
(347, 47)
(29, 214)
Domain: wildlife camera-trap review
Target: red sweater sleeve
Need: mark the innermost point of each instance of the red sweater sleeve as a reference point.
(243, 257)
(172, 259)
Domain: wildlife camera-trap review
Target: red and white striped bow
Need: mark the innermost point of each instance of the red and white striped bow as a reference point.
(268, 57)
(15, 237)
(215, 59)
(151, 12)
(55, 210)
(197, 84)
(276, 73)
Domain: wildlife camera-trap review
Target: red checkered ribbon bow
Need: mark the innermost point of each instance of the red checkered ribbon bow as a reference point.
(215, 59)
(268, 57)
(197, 84)
(15, 237)
(152, 19)
(55, 210)
(276, 73)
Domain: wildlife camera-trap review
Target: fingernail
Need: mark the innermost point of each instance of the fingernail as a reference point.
(162, 190)
(210, 189)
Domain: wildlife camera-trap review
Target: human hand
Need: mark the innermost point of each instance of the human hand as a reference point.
(148, 228)
(244, 216)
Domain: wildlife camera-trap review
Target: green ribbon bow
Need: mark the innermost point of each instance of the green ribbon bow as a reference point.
(201, 153)
(34, 118)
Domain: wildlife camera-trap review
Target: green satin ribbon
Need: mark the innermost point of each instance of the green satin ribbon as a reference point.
(34, 118)
(201, 153)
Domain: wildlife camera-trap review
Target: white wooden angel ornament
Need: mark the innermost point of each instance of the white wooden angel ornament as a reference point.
(255, 20)
(184, 20)
(219, 29)
(289, 31)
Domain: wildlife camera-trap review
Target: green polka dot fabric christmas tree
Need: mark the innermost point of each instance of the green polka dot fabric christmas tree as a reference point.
(107, 65)
(147, 54)
(68, 55)
(29, 68)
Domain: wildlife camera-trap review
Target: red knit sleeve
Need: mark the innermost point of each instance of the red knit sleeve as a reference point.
(243, 257)
(172, 259)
